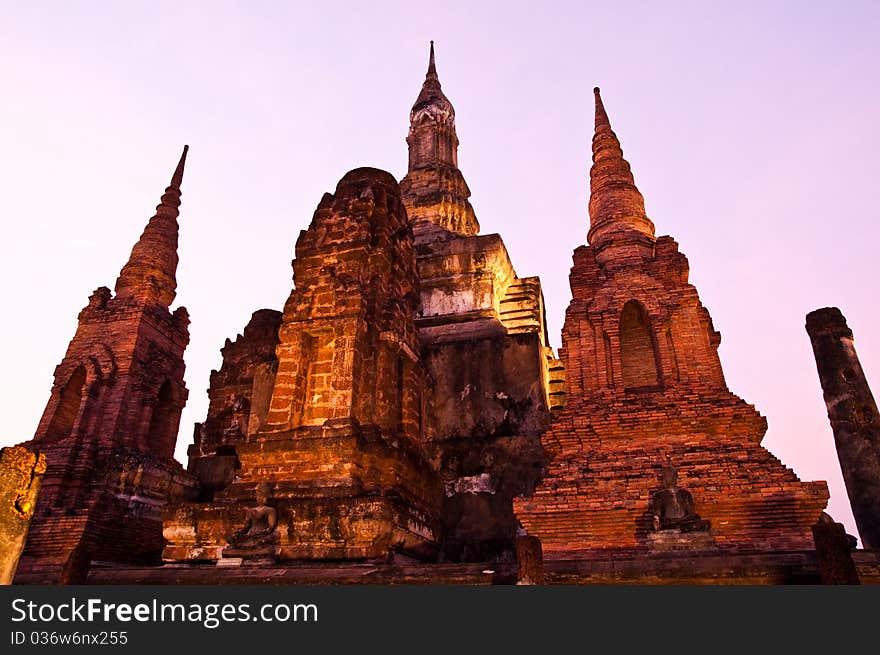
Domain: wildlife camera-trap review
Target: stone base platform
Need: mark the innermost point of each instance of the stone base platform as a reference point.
(339, 491)
(717, 569)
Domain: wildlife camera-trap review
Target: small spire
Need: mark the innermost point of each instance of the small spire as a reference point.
(601, 115)
(150, 273)
(432, 68)
(177, 178)
(617, 208)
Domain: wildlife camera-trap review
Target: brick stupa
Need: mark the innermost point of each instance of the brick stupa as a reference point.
(109, 429)
(645, 389)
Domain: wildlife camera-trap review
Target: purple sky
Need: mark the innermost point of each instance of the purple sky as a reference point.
(752, 132)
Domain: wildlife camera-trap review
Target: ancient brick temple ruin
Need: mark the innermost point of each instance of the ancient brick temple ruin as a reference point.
(110, 427)
(646, 392)
(395, 407)
(403, 419)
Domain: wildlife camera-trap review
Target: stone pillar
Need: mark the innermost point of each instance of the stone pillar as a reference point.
(853, 415)
(530, 561)
(834, 552)
(21, 472)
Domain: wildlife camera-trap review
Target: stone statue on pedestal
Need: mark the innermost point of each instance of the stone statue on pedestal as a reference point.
(261, 523)
(672, 507)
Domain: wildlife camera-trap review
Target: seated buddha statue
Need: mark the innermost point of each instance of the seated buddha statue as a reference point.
(261, 522)
(672, 507)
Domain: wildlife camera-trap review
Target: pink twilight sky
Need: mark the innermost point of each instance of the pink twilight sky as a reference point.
(752, 132)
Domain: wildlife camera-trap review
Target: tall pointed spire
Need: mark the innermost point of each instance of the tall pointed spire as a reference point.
(150, 273)
(177, 178)
(617, 208)
(601, 114)
(432, 68)
(431, 97)
(434, 190)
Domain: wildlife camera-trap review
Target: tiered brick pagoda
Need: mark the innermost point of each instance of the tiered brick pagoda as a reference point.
(110, 427)
(645, 392)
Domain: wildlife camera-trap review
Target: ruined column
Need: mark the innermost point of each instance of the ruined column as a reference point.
(20, 474)
(853, 415)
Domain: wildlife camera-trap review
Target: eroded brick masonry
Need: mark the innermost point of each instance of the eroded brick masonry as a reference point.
(645, 389)
(110, 427)
(404, 419)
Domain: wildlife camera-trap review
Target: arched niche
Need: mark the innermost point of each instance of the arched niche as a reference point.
(163, 419)
(67, 409)
(638, 352)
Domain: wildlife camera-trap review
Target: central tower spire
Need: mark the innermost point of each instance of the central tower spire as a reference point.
(432, 109)
(434, 190)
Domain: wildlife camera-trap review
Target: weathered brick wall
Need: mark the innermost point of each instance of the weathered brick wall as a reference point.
(488, 409)
(231, 392)
(595, 495)
(238, 402)
(341, 457)
(682, 337)
(348, 345)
